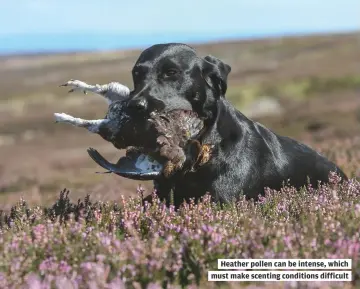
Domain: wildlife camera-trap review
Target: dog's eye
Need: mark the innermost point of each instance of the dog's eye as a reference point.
(170, 72)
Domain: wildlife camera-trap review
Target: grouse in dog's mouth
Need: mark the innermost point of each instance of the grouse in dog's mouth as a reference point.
(157, 145)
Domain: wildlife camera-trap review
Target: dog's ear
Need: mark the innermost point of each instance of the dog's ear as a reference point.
(224, 68)
(215, 73)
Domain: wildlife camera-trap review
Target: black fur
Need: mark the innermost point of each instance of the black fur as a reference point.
(247, 155)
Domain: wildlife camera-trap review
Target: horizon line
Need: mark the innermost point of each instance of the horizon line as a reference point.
(238, 37)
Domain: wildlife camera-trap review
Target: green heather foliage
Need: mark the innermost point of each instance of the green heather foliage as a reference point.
(108, 245)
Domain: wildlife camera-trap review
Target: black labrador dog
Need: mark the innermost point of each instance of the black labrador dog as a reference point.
(247, 156)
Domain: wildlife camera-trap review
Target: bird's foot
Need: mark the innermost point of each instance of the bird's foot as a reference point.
(169, 169)
(173, 166)
(92, 125)
(197, 154)
(63, 117)
(77, 85)
(205, 154)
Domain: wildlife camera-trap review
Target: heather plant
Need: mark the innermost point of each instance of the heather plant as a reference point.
(89, 244)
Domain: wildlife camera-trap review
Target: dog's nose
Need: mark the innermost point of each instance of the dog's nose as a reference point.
(139, 104)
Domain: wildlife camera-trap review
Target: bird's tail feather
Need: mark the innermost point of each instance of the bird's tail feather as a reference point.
(100, 160)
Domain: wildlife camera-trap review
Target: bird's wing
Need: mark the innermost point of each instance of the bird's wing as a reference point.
(139, 167)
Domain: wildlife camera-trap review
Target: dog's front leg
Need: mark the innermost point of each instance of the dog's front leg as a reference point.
(162, 189)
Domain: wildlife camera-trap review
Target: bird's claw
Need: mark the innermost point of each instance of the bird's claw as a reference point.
(76, 85)
(69, 83)
(74, 89)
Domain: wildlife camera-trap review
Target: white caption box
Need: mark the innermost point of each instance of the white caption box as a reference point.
(287, 264)
(280, 276)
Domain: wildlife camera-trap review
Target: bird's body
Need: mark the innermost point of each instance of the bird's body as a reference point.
(161, 149)
(122, 130)
(164, 135)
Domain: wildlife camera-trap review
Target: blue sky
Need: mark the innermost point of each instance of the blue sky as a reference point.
(145, 21)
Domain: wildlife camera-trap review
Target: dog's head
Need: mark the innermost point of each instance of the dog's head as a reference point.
(172, 76)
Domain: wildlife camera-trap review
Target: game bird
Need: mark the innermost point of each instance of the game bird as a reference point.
(158, 145)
